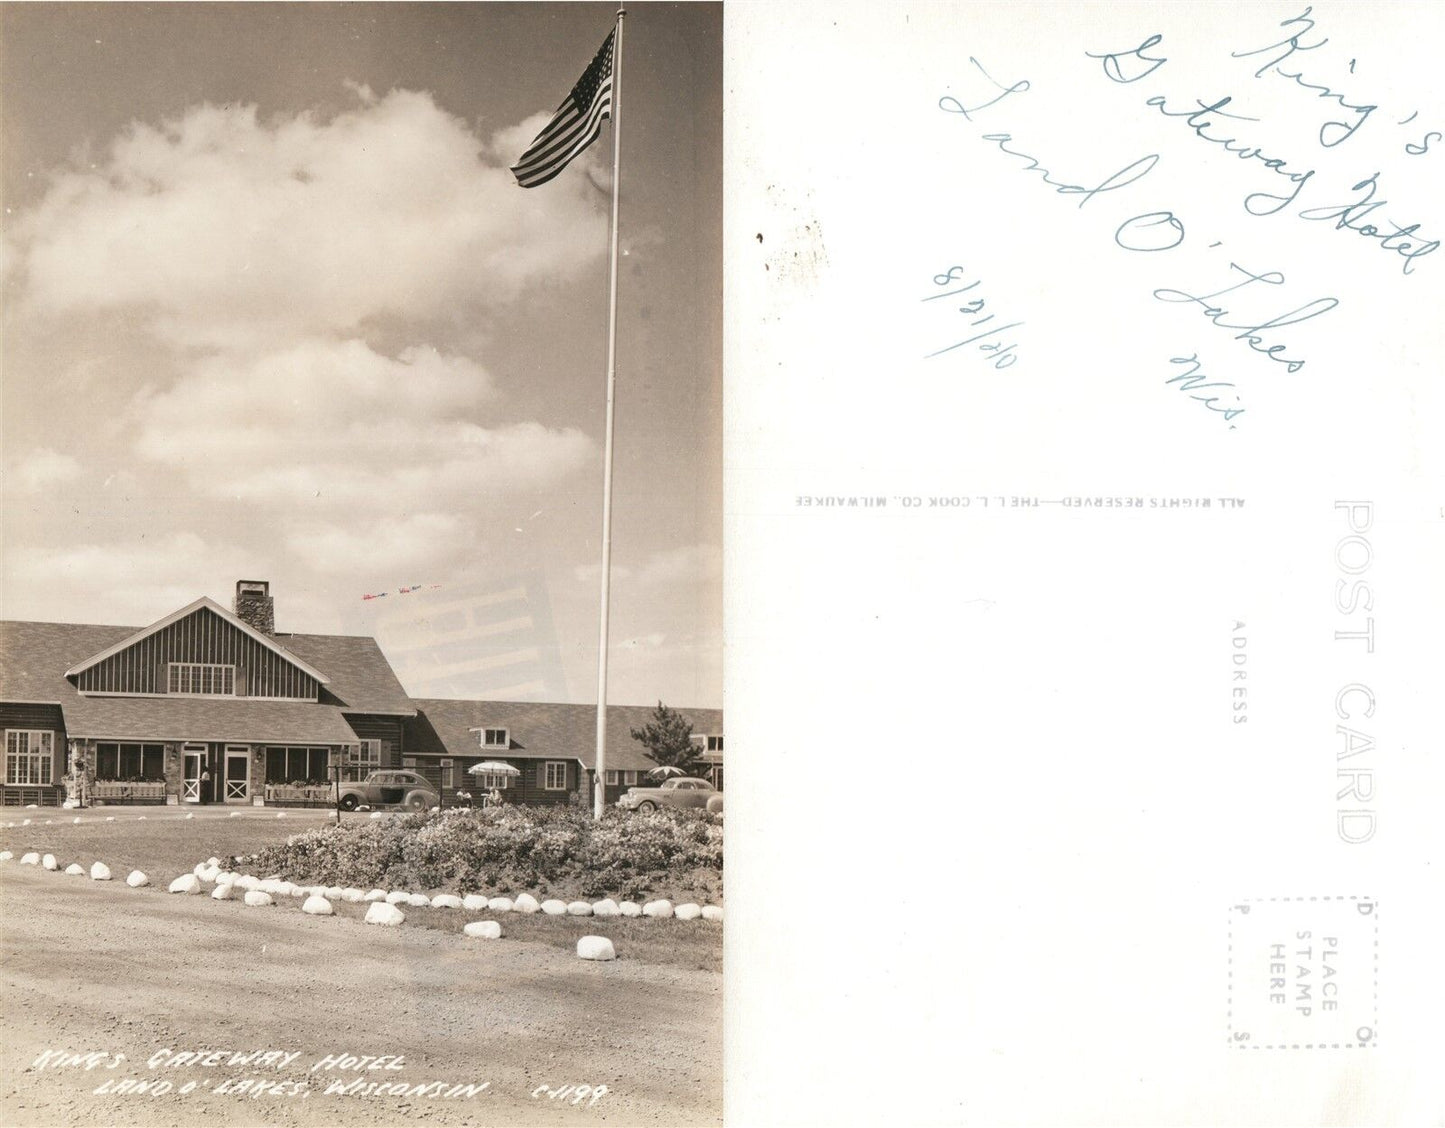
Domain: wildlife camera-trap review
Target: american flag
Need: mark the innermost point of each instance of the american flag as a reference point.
(576, 124)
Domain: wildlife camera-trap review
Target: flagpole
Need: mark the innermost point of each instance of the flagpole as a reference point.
(600, 792)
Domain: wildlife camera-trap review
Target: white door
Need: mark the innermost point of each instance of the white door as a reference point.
(238, 775)
(191, 785)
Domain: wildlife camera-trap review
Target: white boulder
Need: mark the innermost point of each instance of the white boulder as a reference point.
(49, 862)
(376, 814)
(110, 818)
(500, 905)
(317, 906)
(418, 900)
(234, 815)
(76, 820)
(353, 895)
(189, 815)
(712, 912)
(224, 892)
(659, 909)
(214, 861)
(579, 908)
(474, 902)
(383, 913)
(136, 879)
(396, 897)
(483, 929)
(525, 903)
(25, 823)
(596, 948)
(255, 898)
(630, 908)
(100, 872)
(30, 859)
(247, 882)
(5, 855)
(75, 869)
(209, 874)
(280, 814)
(334, 892)
(186, 883)
(553, 907)
(606, 908)
(375, 895)
(446, 901)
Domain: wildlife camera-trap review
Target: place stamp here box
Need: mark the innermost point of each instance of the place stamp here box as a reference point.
(1303, 973)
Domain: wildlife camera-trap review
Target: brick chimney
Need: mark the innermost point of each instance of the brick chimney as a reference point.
(254, 606)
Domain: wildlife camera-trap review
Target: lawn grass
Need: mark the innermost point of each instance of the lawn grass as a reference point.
(164, 844)
(160, 841)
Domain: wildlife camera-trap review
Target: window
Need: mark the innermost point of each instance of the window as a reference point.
(495, 738)
(203, 679)
(408, 761)
(489, 780)
(130, 762)
(612, 778)
(29, 754)
(715, 743)
(554, 775)
(297, 765)
(448, 774)
(629, 779)
(362, 760)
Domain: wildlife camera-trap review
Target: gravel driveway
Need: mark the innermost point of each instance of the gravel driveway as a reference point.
(92, 967)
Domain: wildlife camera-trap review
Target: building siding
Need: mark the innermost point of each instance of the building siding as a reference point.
(43, 718)
(388, 730)
(202, 636)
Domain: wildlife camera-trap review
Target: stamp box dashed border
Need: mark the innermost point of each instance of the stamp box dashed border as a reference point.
(1369, 1044)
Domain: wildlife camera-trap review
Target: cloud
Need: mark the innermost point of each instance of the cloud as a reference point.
(688, 564)
(325, 425)
(373, 547)
(43, 468)
(142, 579)
(225, 229)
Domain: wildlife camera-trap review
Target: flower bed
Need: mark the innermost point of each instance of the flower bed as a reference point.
(546, 850)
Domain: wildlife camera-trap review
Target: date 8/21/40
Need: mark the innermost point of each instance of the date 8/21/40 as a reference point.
(988, 338)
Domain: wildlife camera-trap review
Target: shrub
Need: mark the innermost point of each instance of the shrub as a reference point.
(511, 848)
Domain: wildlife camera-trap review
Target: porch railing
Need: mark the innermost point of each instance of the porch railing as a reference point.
(113, 791)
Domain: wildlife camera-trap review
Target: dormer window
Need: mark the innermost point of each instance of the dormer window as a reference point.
(495, 738)
(203, 679)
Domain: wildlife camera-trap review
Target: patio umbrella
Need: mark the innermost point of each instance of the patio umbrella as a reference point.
(662, 771)
(493, 767)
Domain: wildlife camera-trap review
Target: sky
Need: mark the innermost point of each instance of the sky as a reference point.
(274, 308)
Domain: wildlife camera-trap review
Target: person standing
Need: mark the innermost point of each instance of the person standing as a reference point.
(205, 784)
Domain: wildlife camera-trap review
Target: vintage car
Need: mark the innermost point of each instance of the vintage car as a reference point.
(682, 791)
(389, 789)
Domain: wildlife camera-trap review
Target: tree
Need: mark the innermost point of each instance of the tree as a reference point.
(667, 739)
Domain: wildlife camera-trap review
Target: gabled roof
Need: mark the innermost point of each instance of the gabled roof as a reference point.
(175, 616)
(34, 658)
(538, 730)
